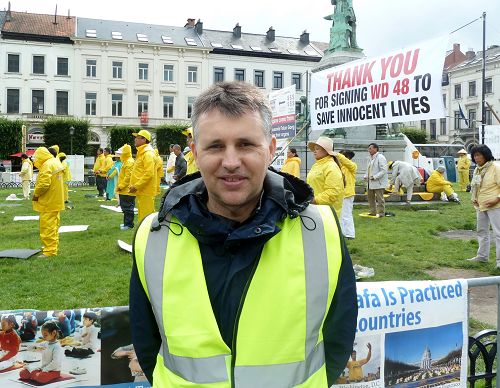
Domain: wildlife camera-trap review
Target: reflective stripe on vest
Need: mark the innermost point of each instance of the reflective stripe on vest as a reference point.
(319, 292)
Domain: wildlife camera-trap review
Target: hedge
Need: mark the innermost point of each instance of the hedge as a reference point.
(12, 137)
(57, 131)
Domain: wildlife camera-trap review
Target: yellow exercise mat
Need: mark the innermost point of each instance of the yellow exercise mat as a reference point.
(426, 196)
(367, 215)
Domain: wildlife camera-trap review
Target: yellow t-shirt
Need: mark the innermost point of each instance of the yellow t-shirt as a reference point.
(355, 370)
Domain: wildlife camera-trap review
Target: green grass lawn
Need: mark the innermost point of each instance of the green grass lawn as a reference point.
(91, 270)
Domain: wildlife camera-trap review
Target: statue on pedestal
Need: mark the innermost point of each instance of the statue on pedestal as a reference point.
(343, 30)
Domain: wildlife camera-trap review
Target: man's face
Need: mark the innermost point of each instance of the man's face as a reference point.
(233, 155)
(177, 151)
(139, 140)
(99, 152)
(372, 150)
(353, 356)
(106, 153)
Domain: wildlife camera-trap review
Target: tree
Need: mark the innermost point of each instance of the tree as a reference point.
(11, 135)
(170, 134)
(416, 136)
(57, 131)
(122, 134)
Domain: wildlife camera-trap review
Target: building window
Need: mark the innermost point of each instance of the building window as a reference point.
(92, 68)
(192, 74)
(168, 73)
(38, 64)
(13, 63)
(62, 66)
(143, 71)
(37, 101)
(61, 103)
(458, 91)
(239, 74)
(117, 67)
(277, 80)
(258, 78)
(456, 118)
(218, 74)
(168, 106)
(297, 80)
(432, 125)
(190, 107)
(442, 126)
(488, 85)
(298, 107)
(142, 104)
(444, 100)
(472, 118)
(13, 100)
(472, 88)
(489, 118)
(423, 124)
(116, 104)
(90, 104)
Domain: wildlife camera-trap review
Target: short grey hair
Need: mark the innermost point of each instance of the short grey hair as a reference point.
(232, 99)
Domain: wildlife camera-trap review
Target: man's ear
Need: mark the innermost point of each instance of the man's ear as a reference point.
(272, 149)
(194, 150)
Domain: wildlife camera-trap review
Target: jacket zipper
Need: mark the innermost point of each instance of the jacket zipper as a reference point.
(236, 321)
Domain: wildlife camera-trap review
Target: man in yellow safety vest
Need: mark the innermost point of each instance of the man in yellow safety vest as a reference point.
(238, 281)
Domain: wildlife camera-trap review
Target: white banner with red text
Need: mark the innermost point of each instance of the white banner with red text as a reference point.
(401, 86)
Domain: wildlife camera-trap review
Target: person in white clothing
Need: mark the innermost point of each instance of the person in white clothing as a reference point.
(404, 175)
(169, 176)
(88, 337)
(26, 175)
(377, 180)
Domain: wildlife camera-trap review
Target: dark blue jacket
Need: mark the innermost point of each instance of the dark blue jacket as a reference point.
(229, 250)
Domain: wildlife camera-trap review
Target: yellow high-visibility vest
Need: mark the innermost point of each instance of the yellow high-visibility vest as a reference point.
(278, 339)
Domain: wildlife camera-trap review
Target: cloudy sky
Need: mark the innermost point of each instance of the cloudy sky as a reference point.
(383, 25)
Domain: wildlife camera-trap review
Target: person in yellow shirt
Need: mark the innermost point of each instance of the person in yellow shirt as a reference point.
(325, 176)
(349, 169)
(26, 175)
(485, 196)
(292, 163)
(437, 184)
(356, 366)
(127, 200)
(191, 162)
(463, 167)
(67, 176)
(143, 176)
(48, 199)
(100, 179)
(160, 172)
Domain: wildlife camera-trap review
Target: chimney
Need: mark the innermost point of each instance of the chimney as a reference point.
(190, 23)
(470, 54)
(68, 17)
(270, 34)
(456, 47)
(199, 27)
(304, 38)
(55, 16)
(237, 31)
(8, 15)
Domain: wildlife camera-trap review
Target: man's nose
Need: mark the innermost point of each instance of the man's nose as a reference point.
(231, 159)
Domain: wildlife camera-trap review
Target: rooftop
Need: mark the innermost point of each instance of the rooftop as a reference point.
(23, 23)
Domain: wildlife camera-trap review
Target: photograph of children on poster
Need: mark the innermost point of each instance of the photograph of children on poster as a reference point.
(409, 334)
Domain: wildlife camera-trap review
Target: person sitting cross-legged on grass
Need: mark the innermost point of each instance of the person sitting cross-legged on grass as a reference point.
(437, 184)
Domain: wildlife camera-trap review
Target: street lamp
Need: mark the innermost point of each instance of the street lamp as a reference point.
(71, 133)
